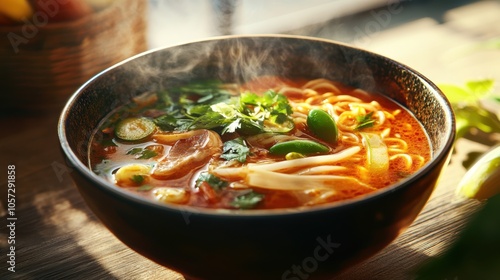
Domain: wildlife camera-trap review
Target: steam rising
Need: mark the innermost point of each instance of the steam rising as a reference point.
(240, 59)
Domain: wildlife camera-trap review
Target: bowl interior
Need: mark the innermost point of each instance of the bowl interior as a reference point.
(238, 59)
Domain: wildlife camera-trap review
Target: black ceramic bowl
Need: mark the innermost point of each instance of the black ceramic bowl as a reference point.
(318, 242)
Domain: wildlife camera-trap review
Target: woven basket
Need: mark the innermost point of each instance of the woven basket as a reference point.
(49, 64)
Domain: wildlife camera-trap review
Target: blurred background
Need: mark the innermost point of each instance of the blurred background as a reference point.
(416, 32)
(174, 22)
(47, 49)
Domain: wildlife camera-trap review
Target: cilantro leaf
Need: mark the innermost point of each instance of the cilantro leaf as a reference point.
(232, 127)
(235, 149)
(166, 122)
(210, 120)
(270, 111)
(248, 200)
(365, 121)
(271, 103)
(215, 182)
(249, 114)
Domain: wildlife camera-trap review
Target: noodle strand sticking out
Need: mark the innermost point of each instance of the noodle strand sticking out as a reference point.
(214, 145)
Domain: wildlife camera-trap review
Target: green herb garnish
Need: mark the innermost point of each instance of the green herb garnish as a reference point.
(235, 149)
(249, 114)
(215, 182)
(134, 151)
(166, 122)
(146, 154)
(209, 106)
(365, 121)
(247, 201)
(271, 105)
(142, 153)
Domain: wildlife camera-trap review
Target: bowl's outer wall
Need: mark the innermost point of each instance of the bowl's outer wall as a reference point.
(284, 246)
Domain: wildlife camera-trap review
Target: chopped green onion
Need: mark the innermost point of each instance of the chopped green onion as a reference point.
(247, 201)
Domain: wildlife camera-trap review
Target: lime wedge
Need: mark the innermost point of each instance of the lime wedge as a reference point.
(482, 180)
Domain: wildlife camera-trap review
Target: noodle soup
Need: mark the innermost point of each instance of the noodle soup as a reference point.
(269, 143)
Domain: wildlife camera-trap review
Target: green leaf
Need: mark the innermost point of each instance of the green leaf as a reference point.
(134, 151)
(247, 201)
(235, 149)
(365, 121)
(165, 97)
(147, 154)
(456, 94)
(166, 122)
(208, 105)
(270, 112)
(232, 127)
(470, 94)
(469, 112)
(228, 111)
(215, 182)
(141, 153)
(473, 116)
(210, 120)
(198, 110)
(481, 87)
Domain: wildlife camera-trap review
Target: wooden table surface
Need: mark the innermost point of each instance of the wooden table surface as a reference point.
(57, 237)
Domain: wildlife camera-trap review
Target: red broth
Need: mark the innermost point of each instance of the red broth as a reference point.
(207, 152)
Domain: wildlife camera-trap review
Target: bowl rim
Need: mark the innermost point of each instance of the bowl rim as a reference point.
(440, 155)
